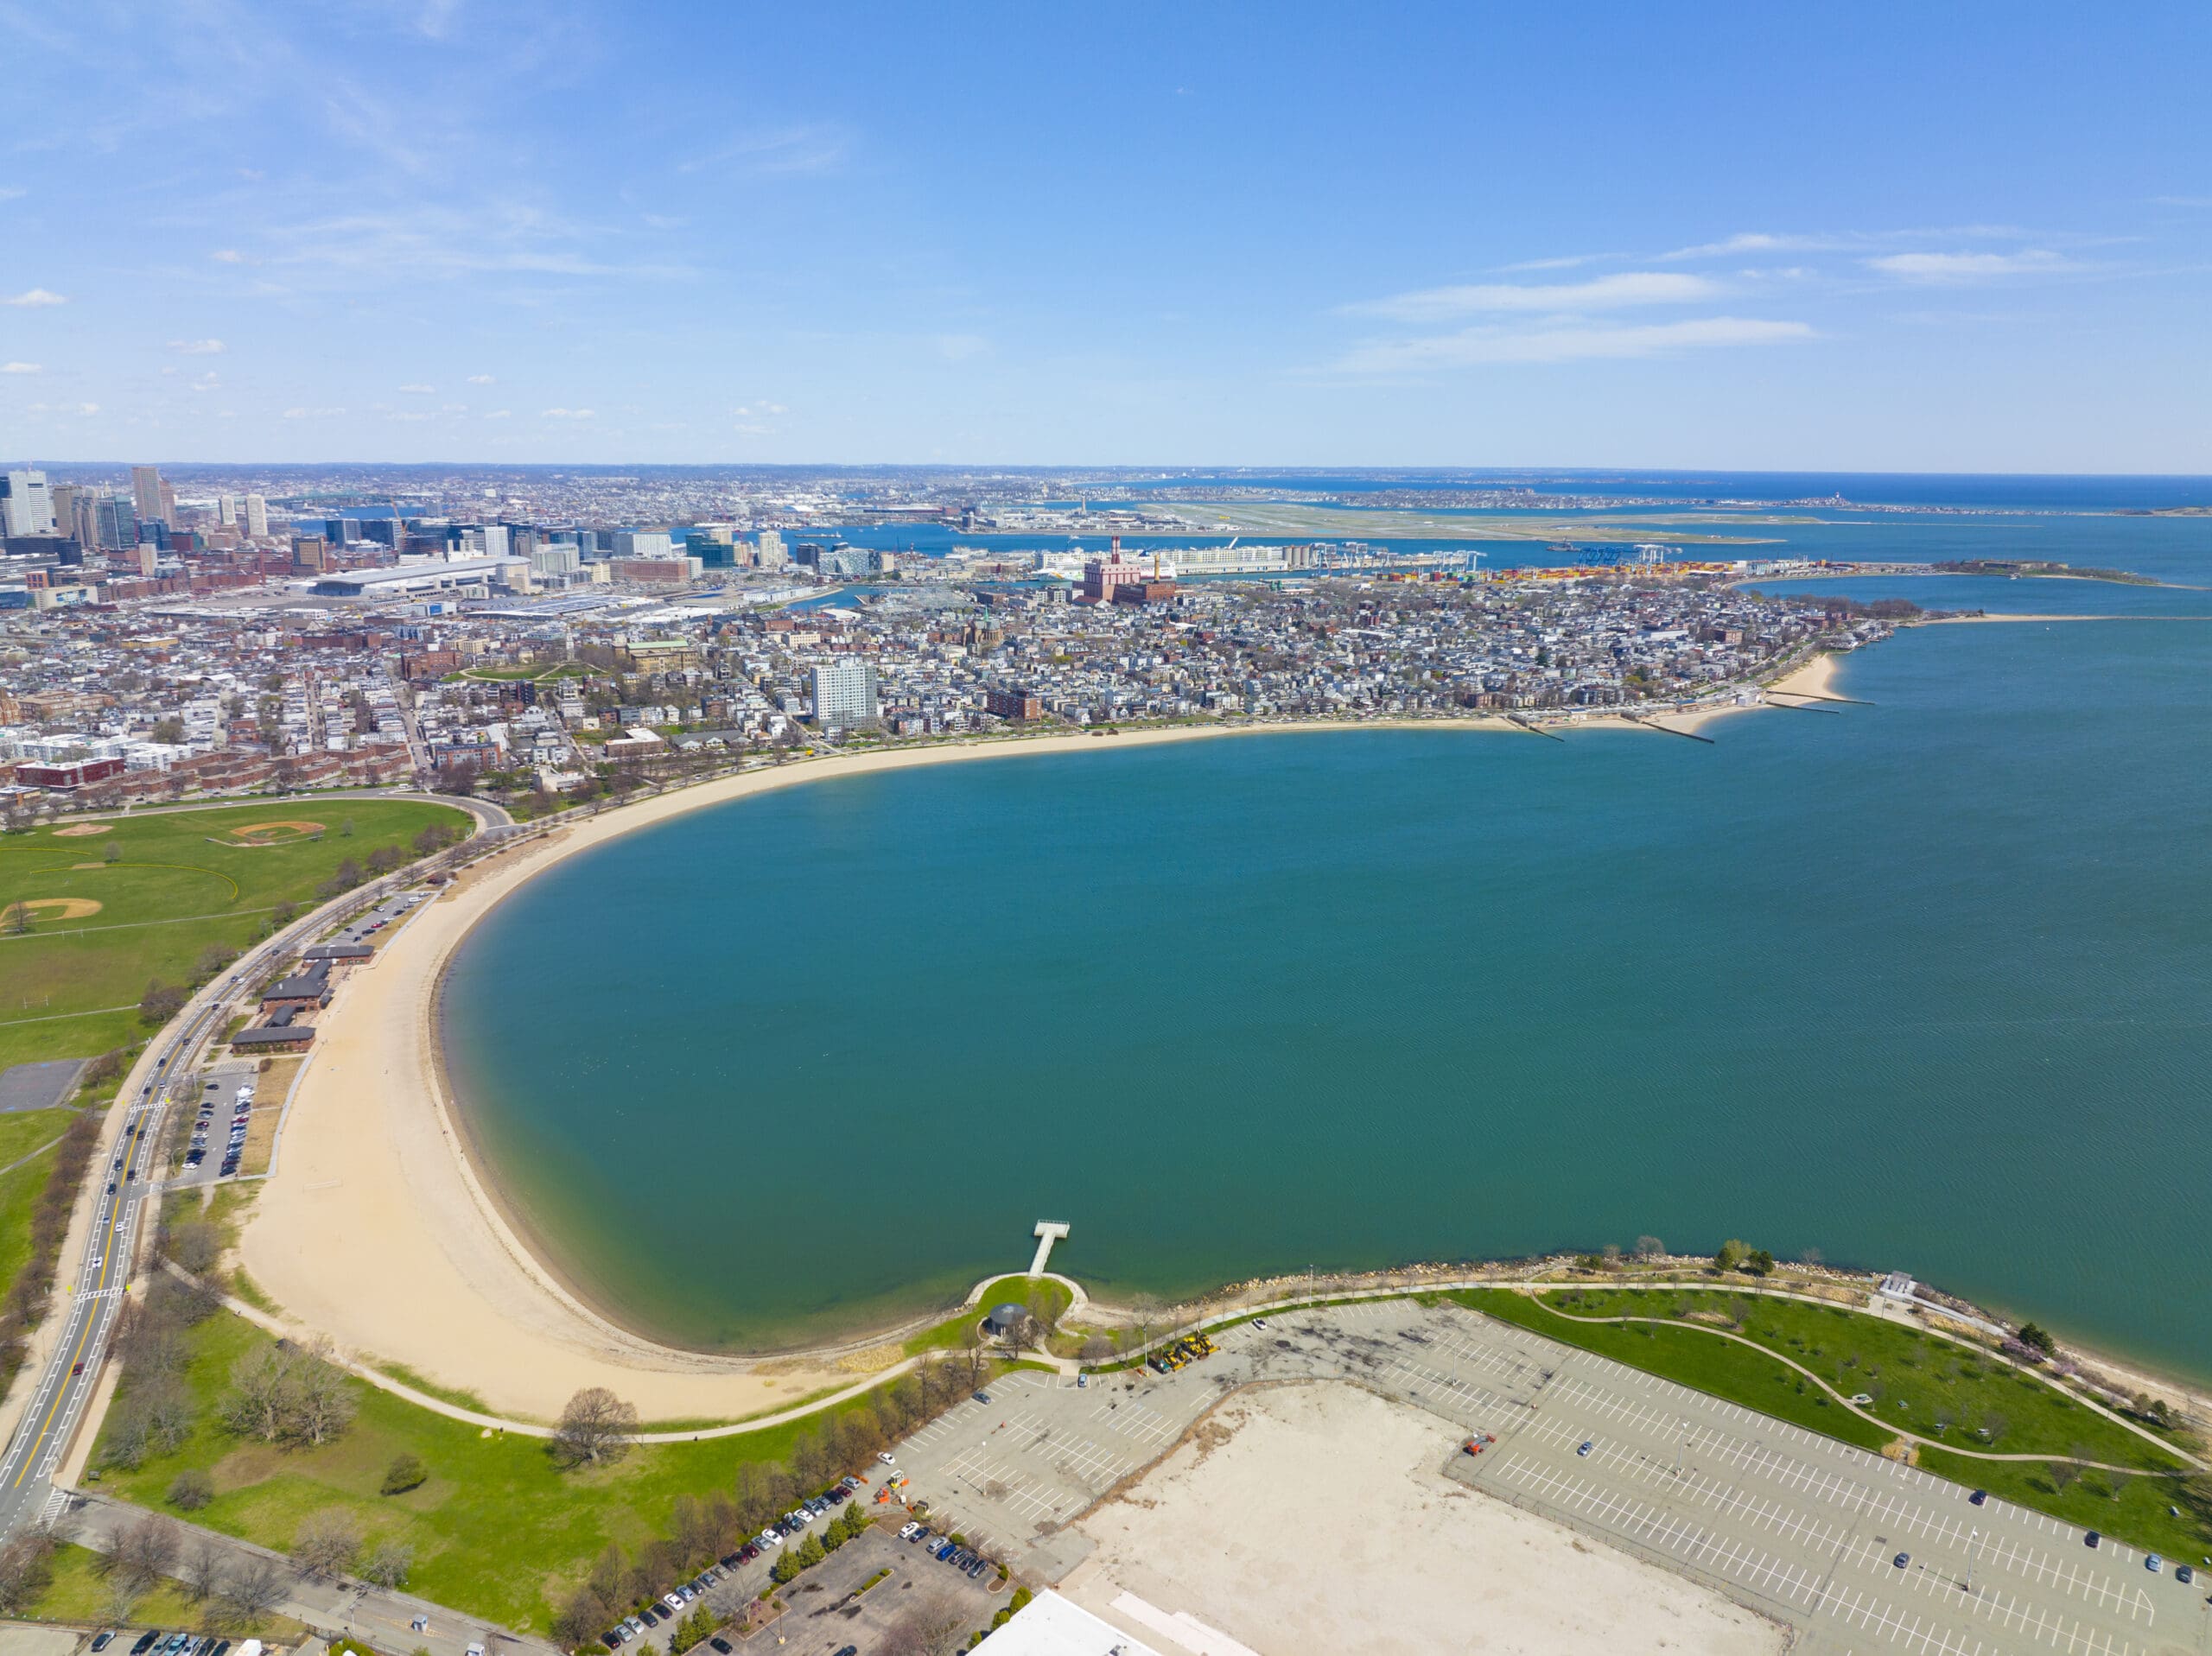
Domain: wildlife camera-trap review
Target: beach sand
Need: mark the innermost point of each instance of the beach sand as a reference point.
(377, 1226)
(1314, 1518)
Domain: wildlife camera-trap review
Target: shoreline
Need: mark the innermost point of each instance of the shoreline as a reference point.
(460, 1285)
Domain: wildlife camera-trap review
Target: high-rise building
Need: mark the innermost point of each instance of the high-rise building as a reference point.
(643, 543)
(62, 501)
(226, 510)
(26, 508)
(256, 516)
(844, 693)
(169, 504)
(115, 525)
(146, 494)
(772, 549)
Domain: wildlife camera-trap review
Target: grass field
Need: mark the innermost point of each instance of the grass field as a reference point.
(498, 1529)
(19, 1189)
(2135, 1508)
(1920, 1382)
(1044, 1299)
(80, 1595)
(100, 929)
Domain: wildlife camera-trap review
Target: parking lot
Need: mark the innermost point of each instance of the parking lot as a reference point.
(1796, 1525)
(218, 1094)
(827, 1610)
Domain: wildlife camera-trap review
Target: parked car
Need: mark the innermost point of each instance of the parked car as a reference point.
(883, 1455)
(145, 1643)
(1587, 1445)
(982, 1397)
(102, 1639)
(1978, 1498)
(2092, 1539)
(2154, 1564)
(720, 1644)
(2184, 1574)
(1902, 1559)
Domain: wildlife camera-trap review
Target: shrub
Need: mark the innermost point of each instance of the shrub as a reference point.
(191, 1489)
(406, 1472)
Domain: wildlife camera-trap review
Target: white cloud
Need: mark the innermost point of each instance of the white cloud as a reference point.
(34, 299)
(22, 368)
(481, 379)
(419, 391)
(199, 347)
(1567, 342)
(228, 255)
(500, 414)
(88, 408)
(206, 382)
(313, 413)
(567, 414)
(1965, 267)
(1605, 292)
(786, 151)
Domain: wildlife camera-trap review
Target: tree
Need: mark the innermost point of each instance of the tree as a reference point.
(161, 1002)
(1731, 1255)
(1097, 1348)
(1759, 1262)
(111, 852)
(786, 1566)
(195, 1244)
(253, 1590)
(406, 1472)
(326, 1542)
(346, 829)
(1650, 1247)
(201, 1572)
(190, 1490)
(388, 1562)
(594, 1428)
(2036, 1338)
(142, 1553)
(811, 1551)
(169, 731)
(322, 1402)
(260, 1394)
(26, 1569)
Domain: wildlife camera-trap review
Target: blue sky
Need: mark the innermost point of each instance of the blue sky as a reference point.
(1914, 238)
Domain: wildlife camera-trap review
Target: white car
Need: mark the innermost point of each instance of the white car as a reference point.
(907, 1532)
(672, 1601)
(769, 1540)
(887, 1457)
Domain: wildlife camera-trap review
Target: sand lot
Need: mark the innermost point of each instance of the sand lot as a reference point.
(1310, 1518)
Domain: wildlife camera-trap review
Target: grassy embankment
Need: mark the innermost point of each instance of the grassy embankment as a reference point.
(1047, 1300)
(166, 888)
(79, 1594)
(498, 1528)
(1921, 1382)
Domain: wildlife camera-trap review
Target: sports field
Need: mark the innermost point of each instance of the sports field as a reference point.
(90, 913)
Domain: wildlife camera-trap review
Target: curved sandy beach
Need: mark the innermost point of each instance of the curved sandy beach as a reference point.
(376, 1227)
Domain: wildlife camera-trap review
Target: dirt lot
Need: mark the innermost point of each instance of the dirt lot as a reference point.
(1314, 1517)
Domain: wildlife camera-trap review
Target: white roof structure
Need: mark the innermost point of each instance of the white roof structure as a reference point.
(1052, 1626)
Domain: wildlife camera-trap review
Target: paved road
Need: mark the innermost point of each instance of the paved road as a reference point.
(1796, 1526)
(379, 1615)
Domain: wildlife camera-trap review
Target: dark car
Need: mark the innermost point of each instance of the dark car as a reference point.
(1902, 1559)
(650, 1616)
(850, 1650)
(982, 1397)
(2092, 1540)
(2184, 1574)
(1978, 1498)
(720, 1644)
(611, 1640)
(102, 1641)
(145, 1643)
(731, 1560)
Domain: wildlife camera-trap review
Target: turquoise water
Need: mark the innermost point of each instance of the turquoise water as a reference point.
(1921, 984)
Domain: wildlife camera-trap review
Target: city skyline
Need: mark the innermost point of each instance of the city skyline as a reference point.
(461, 232)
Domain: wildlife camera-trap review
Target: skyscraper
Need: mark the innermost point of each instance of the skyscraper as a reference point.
(772, 549)
(226, 509)
(844, 693)
(25, 506)
(146, 494)
(256, 516)
(115, 526)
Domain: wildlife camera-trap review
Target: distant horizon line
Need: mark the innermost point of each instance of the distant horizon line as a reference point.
(1270, 468)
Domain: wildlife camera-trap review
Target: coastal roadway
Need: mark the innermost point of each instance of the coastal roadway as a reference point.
(127, 1192)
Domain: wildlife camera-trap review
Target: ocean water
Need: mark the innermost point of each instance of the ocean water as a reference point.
(1920, 984)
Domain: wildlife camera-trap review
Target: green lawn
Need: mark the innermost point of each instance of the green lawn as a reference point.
(179, 883)
(19, 1190)
(80, 1595)
(498, 1529)
(2136, 1512)
(1920, 1382)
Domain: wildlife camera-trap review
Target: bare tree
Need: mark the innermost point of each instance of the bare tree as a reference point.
(26, 1569)
(933, 1628)
(260, 1394)
(201, 1572)
(142, 1553)
(326, 1542)
(595, 1427)
(388, 1562)
(322, 1404)
(253, 1590)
